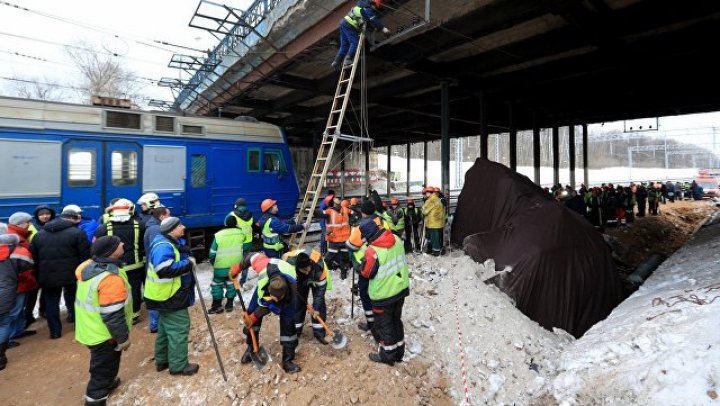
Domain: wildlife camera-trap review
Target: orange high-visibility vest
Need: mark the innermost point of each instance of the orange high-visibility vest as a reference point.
(337, 226)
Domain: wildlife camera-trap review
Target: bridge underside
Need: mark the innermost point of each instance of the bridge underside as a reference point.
(507, 65)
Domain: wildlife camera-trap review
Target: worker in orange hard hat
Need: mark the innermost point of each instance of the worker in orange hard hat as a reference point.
(272, 227)
(354, 211)
(337, 231)
(395, 217)
(364, 13)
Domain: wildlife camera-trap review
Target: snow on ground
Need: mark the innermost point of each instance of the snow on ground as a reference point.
(661, 345)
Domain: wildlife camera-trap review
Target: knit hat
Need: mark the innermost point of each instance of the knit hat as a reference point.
(104, 246)
(9, 239)
(240, 202)
(230, 221)
(302, 260)
(369, 230)
(278, 287)
(367, 207)
(169, 224)
(19, 218)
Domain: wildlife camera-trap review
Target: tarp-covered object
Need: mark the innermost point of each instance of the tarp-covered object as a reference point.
(562, 272)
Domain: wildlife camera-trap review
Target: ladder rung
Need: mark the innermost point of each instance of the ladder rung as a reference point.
(344, 80)
(335, 111)
(341, 96)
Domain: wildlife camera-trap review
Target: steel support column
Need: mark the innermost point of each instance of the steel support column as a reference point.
(571, 154)
(513, 138)
(556, 154)
(425, 180)
(536, 150)
(366, 152)
(586, 174)
(445, 134)
(483, 127)
(389, 170)
(342, 174)
(407, 169)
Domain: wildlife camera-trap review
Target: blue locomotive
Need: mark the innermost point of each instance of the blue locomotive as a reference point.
(59, 154)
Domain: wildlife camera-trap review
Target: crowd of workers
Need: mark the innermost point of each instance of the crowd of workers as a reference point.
(136, 252)
(609, 205)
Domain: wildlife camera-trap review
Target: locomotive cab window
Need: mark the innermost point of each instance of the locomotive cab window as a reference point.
(253, 162)
(81, 167)
(273, 161)
(124, 168)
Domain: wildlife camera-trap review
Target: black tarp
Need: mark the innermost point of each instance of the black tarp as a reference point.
(562, 272)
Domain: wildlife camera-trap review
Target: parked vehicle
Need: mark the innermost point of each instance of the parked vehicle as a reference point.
(58, 154)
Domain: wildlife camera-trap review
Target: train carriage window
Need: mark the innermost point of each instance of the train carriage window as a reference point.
(273, 161)
(81, 167)
(198, 169)
(253, 162)
(124, 168)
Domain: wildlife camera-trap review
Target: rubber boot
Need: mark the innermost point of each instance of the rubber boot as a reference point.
(216, 307)
(343, 273)
(320, 336)
(95, 402)
(399, 353)
(190, 369)
(336, 63)
(228, 305)
(3, 358)
(378, 357)
(367, 326)
(287, 358)
(348, 61)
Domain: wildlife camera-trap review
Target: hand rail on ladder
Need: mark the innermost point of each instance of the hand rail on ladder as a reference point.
(330, 138)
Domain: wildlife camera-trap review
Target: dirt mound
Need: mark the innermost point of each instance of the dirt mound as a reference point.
(664, 233)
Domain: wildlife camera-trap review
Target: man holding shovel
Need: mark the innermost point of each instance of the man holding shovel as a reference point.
(276, 292)
(312, 274)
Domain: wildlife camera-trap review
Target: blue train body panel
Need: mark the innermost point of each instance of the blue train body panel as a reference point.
(199, 178)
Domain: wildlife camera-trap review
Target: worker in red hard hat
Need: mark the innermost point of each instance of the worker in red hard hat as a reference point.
(272, 227)
(364, 13)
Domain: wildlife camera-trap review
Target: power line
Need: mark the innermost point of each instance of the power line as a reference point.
(57, 85)
(137, 39)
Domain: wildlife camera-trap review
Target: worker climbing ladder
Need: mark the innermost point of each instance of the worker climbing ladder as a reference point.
(330, 138)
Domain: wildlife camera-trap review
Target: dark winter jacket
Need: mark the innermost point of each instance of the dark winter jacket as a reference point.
(14, 260)
(143, 217)
(152, 230)
(58, 250)
(132, 254)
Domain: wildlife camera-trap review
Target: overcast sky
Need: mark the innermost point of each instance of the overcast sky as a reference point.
(119, 28)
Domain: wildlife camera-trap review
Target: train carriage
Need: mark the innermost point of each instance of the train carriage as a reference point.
(59, 154)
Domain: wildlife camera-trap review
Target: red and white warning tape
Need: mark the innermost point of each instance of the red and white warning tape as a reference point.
(463, 370)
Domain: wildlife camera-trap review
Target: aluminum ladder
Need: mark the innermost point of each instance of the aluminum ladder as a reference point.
(330, 138)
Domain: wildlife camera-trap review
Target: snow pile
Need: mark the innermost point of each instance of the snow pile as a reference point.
(660, 346)
(508, 358)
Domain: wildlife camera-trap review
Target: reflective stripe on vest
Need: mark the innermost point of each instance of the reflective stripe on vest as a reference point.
(229, 247)
(271, 240)
(138, 263)
(89, 326)
(337, 227)
(157, 288)
(244, 226)
(392, 276)
(354, 17)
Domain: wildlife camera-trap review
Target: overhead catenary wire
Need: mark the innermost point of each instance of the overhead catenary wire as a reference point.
(115, 33)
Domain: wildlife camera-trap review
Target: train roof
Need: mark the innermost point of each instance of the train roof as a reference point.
(43, 115)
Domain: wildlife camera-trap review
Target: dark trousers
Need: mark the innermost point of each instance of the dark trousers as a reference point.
(390, 330)
(318, 304)
(653, 208)
(30, 302)
(136, 278)
(337, 256)
(288, 332)
(641, 209)
(51, 297)
(104, 367)
(349, 39)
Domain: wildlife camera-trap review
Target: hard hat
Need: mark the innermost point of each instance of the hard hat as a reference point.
(267, 204)
(424, 190)
(345, 203)
(149, 199)
(257, 262)
(72, 209)
(377, 3)
(394, 201)
(354, 201)
(120, 211)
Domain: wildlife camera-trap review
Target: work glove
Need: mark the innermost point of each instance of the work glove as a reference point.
(386, 31)
(234, 271)
(122, 346)
(250, 319)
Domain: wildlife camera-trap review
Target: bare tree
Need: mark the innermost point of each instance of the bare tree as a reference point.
(38, 89)
(103, 74)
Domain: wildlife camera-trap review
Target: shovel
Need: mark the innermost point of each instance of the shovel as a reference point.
(258, 355)
(339, 341)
